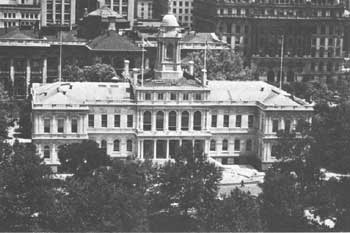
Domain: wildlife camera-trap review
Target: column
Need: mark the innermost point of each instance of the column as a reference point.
(67, 125)
(191, 121)
(28, 73)
(12, 71)
(208, 119)
(167, 148)
(166, 121)
(154, 149)
(282, 125)
(54, 124)
(53, 154)
(54, 11)
(206, 146)
(81, 124)
(139, 149)
(154, 121)
(45, 70)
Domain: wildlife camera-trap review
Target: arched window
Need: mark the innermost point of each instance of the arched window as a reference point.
(270, 76)
(147, 121)
(212, 145)
(160, 121)
(185, 120)
(104, 145)
(116, 145)
(172, 121)
(129, 145)
(170, 51)
(47, 152)
(224, 145)
(197, 121)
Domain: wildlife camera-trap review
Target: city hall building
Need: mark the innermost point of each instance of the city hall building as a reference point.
(151, 115)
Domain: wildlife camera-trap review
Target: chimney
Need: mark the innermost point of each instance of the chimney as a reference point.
(112, 26)
(86, 13)
(135, 73)
(191, 67)
(126, 69)
(204, 77)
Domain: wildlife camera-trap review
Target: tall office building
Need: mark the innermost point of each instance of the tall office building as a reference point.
(144, 9)
(15, 13)
(313, 32)
(125, 8)
(58, 13)
(182, 9)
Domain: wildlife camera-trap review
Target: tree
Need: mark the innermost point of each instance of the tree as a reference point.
(25, 192)
(25, 121)
(73, 73)
(186, 191)
(4, 115)
(112, 199)
(99, 73)
(81, 159)
(221, 65)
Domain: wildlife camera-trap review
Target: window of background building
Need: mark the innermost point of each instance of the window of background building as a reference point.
(198, 96)
(184, 120)
(129, 145)
(274, 126)
(117, 121)
(250, 121)
(148, 96)
(130, 120)
(197, 121)
(74, 126)
(237, 145)
(160, 121)
(147, 121)
(60, 125)
(160, 96)
(47, 152)
(226, 121)
(249, 145)
(185, 96)
(104, 120)
(212, 145)
(104, 145)
(287, 125)
(172, 121)
(172, 96)
(47, 125)
(116, 145)
(224, 145)
(214, 119)
(238, 121)
(91, 120)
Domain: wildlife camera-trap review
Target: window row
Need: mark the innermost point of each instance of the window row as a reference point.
(237, 145)
(226, 121)
(172, 96)
(172, 121)
(289, 125)
(116, 121)
(116, 145)
(61, 126)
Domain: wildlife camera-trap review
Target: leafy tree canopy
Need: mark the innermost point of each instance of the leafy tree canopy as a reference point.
(94, 73)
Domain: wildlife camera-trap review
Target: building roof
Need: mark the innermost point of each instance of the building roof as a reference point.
(176, 83)
(169, 20)
(17, 34)
(111, 41)
(105, 12)
(200, 37)
(67, 36)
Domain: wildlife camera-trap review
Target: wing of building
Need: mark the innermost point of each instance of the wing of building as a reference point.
(149, 116)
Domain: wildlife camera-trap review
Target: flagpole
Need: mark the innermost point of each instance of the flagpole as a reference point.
(142, 61)
(205, 55)
(60, 65)
(281, 69)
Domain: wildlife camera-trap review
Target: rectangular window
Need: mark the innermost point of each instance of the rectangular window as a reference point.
(160, 96)
(226, 121)
(198, 96)
(214, 120)
(287, 125)
(74, 126)
(117, 121)
(104, 120)
(172, 96)
(129, 145)
(185, 96)
(148, 96)
(91, 121)
(47, 126)
(249, 145)
(238, 121)
(274, 126)
(250, 121)
(130, 121)
(237, 145)
(60, 125)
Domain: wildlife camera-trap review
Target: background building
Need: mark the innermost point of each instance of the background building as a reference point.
(182, 9)
(15, 13)
(58, 13)
(144, 9)
(314, 34)
(125, 8)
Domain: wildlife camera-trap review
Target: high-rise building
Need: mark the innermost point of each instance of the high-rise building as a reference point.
(313, 34)
(58, 13)
(125, 8)
(144, 9)
(15, 13)
(182, 9)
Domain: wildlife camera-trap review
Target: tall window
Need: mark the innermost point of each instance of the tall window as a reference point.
(212, 145)
(249, 145)
(129, 145)
(198, 96)
(224, 145)
(117, 121)
(91, 120)
(172, 121)
(46, 125)
(238, 121)
(172, 96)
(74, 126)
(214, 121)
(116, 145)
(148, 96)
(104, 145)
(60, 125)
(237, 145)
(130, 120)
(226, 121)
(47, 153)
(160, 96)
(274, 126)
(250, 121)
(170, 51)
(197, 120)
(160, 121)
(185, 96)
(147, 121)
(185, 120)
(104, 120)
(287, 125)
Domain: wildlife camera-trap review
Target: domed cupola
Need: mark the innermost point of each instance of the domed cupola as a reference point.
(168, 63)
